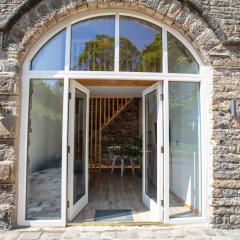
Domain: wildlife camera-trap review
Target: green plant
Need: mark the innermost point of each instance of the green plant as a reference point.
(136, 149)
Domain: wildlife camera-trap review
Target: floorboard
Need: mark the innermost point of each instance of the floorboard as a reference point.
(111, 191)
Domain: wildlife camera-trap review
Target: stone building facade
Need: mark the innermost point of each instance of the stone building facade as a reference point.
(213, 28)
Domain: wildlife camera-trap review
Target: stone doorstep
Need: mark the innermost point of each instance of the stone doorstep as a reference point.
(171, 228)
(123, 232)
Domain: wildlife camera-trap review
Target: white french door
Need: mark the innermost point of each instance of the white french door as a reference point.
(153, 150)
(77, 149)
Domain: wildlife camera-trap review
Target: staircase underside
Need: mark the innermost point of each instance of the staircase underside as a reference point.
(103, 110)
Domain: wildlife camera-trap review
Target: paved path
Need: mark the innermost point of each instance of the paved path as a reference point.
(191, 232)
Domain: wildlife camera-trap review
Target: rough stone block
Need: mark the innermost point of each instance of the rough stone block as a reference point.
(207, 40)
(42, 9)
(7, 151)
(235, 219)
(196, 28)
(226, 184)
(234, 201)
(5, 171)
(164, 6)
(7, 215)
(7, 198)
(174, 10)
(7, 84)
(182, 16)
(217, 193)
(226, 175)
(224, 210)
(216, 220)
(7, 116)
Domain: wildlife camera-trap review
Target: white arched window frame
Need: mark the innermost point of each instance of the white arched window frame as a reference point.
(204, 77)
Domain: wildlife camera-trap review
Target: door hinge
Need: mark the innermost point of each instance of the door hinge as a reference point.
(68, 149)
(162, 149)
(162, 96)
(68, 204)
(69, 95)
(162, 203)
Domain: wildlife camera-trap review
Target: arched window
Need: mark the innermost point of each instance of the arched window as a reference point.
(136, 46)
(113, 54)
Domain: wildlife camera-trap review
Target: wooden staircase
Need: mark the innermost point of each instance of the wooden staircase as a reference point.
(103, 110)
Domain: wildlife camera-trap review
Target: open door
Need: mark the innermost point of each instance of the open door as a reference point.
(78, 149)
(153, 150)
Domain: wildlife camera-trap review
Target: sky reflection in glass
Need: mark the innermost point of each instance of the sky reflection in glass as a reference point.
(52, 55)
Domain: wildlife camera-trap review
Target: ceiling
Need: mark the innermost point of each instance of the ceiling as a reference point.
(116, 88)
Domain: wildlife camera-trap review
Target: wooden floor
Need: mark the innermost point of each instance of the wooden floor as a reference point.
(111, 191)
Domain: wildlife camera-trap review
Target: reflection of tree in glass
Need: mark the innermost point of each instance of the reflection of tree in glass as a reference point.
(98, 54)
(184, 99)
(149, 59)
(184, 113)
(129, 56)
(42, 92)
(151, 55)
(180, 60)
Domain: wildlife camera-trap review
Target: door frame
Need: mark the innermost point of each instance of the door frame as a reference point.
(74, 209)
(205, 78)
(22, 221)
(156, 208)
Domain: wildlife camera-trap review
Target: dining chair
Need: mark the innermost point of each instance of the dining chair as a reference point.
(133, 159)
(114, 155)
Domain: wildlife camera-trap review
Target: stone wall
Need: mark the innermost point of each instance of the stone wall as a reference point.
(7, 158)
(212, 26)
(123, 130)
(225, 12)
(7, 7)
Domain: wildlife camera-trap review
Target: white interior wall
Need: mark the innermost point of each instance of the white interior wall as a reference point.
(46, 142)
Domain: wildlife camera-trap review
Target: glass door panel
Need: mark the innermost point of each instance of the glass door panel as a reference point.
(184, 156)
(78, 155)
(79, 189)
(44, 152)
(152, 156)
(151, 145)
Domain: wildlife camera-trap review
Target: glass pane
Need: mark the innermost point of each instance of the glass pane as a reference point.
(185, 161)
(151, 145)
(79, 145)
(140, 46)
(44, 159)
(93, 44)
(52, 55)
(180, 60)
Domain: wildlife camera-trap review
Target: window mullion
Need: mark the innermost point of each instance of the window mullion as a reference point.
(68, 48)
(165, 51)
(117, 43)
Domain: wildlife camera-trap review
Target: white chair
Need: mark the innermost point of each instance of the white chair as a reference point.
(114, 155)
(133, 159)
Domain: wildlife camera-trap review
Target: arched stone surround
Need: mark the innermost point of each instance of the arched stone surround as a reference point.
(207, 38)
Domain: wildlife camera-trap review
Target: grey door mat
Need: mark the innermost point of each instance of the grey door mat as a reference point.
(118, 215)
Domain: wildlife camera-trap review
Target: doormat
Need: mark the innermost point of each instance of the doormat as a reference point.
(118, 215)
